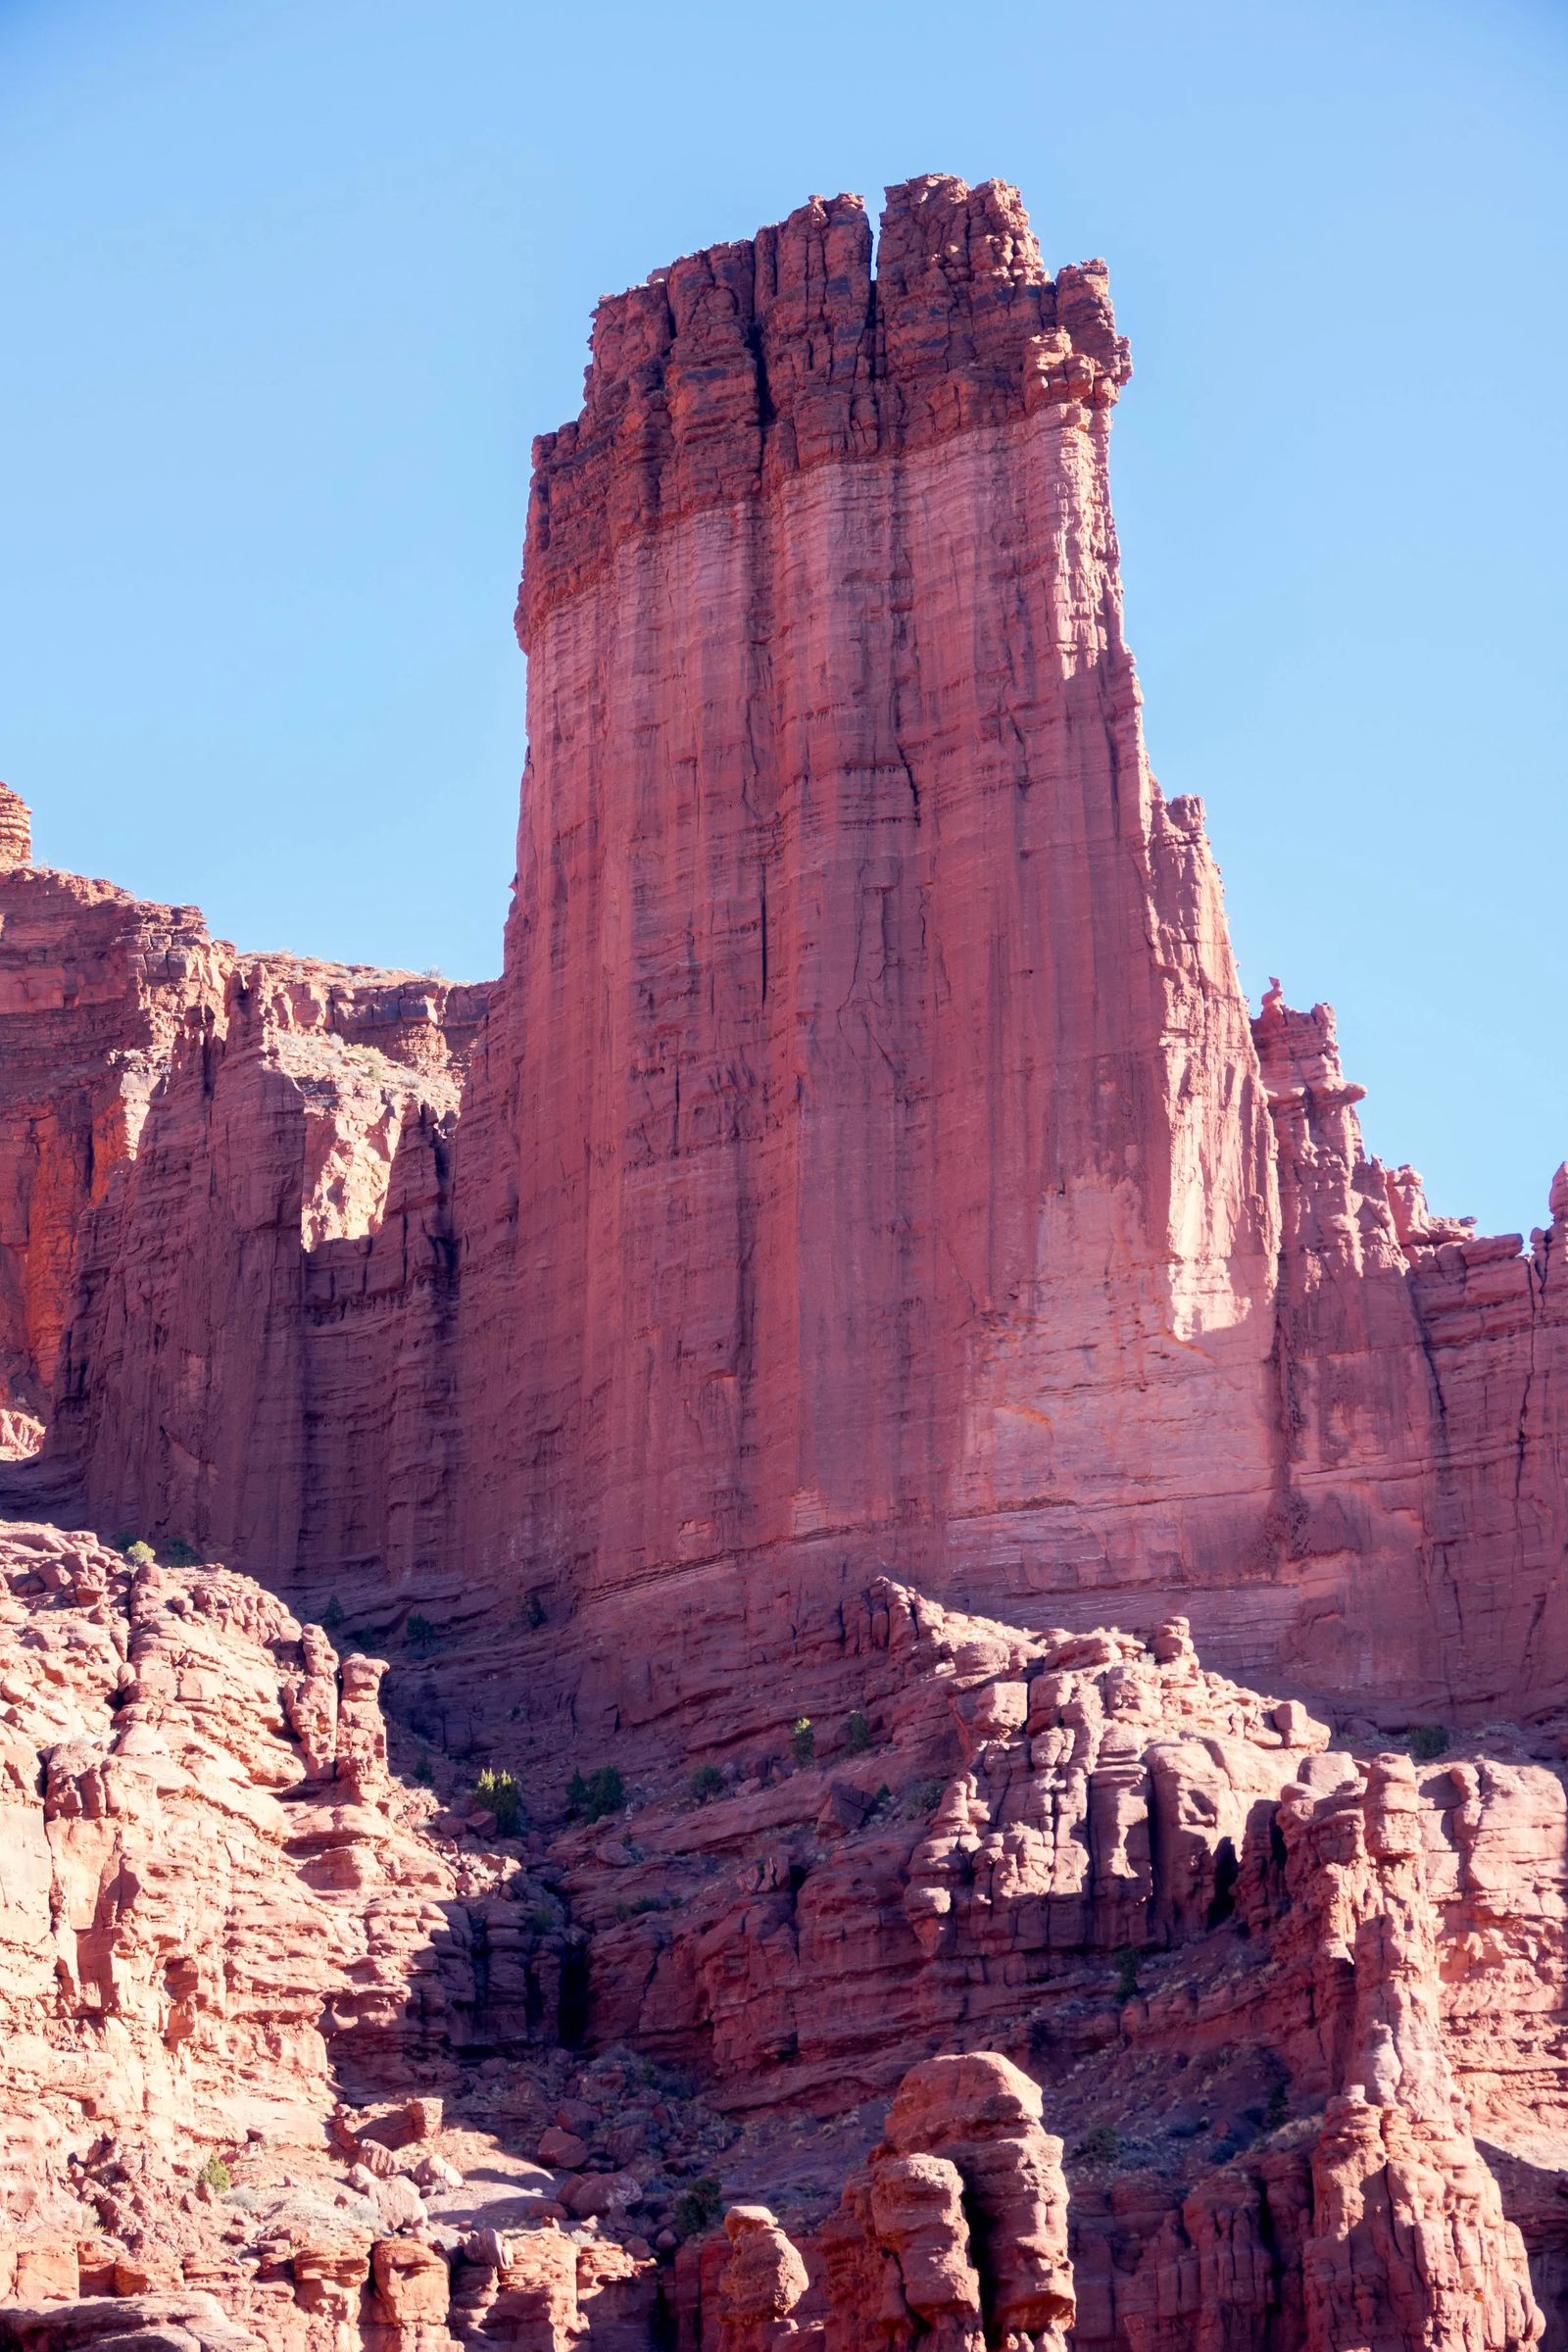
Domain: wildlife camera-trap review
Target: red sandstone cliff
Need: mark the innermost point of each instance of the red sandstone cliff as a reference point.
(1139, 2009)
(226, 1258)
(917, 1201)
(95, 987)
(869, 1161)
(865, 1157)
(858, 1247)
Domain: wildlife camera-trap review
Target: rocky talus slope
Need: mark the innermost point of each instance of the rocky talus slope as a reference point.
(890, 1657)
(1063, 1986)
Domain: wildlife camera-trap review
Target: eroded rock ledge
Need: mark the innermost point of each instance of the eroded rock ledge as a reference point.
(1065, 1986)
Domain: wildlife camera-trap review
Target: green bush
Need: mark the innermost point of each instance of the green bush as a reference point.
(332, 1614)
(215, 2172)
(181, 1554)
(140, 1555)
(500, 1795)
(1101, 2146)
(705, 1783)
(856, 1732)
(424, 1773)
(423, 1637)
(699, 2207)
(1428, 1741)
(592, 1797)
(802, 1739)
(1126, 1973)
(533, 1611)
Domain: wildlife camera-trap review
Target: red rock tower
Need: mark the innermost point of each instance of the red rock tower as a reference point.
(868, 1160)
(16, 831)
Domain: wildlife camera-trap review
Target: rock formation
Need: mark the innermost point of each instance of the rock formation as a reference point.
(1297, 2017)
(224, 1315)
(865, 1158)
(773, 1400)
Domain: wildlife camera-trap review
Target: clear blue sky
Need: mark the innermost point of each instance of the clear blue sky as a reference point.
(289, 284)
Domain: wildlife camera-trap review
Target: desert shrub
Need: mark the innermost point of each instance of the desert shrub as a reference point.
(423, 1637)
(638, 1907)
(705, 1783)
(215, 2172)
(591, 1796)
(856, 1732)
(1126, 1973)
(424, 1773)
(1101, 2146)
(140, 1555)
(802, 1739)
(500, 1795)
(917, 1798)
(699, 2207)
(332, 1614)
(533, 1611)
(1428, 1741)
(181, 1554)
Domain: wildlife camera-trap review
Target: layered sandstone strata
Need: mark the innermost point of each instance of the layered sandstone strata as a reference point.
(95, 988)
(1297, 2010)
(252, 1367)
(918, 1196)
(865, 1159)
(225, 1256)
(1215, 2026)
(870, 1160)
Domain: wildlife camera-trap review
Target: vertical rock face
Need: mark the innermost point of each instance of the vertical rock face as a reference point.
(877, 1154)
(1422, 1506)
(15, 831)
(865, 1160)
(225, 1256)
(94, 988)
(254, 1363)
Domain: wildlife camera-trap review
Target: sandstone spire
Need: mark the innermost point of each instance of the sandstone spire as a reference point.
(878, 1142)
(15, 831)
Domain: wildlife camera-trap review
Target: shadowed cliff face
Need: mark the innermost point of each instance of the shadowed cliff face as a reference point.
(865, 1159)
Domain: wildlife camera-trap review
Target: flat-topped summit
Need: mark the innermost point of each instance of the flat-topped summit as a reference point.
(746, 363)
